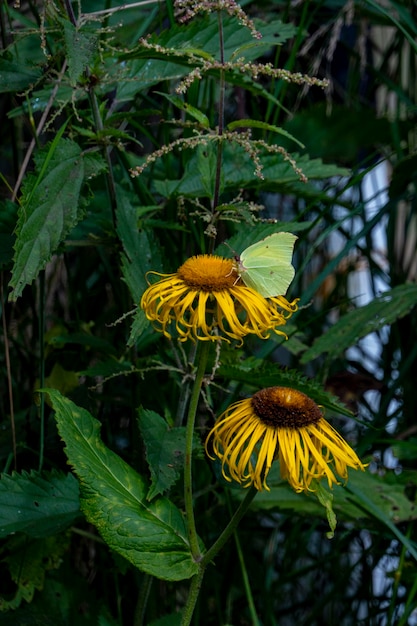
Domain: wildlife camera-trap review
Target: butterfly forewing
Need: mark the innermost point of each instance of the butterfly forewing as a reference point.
(266, 265)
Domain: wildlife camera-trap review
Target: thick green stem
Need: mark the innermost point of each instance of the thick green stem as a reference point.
(195, 587)
(211, 553)
(202, 355)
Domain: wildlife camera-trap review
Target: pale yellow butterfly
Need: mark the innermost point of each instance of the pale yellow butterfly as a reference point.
(266, 265)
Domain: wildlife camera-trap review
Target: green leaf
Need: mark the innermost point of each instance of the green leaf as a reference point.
(38, 504)
(141, 332)
(188, 108)
(202, 34)
(81, 46)
(325, 497)
(48, 211)
(385, 494)
(247, 123)
(147, 67)
(152, 536)
(17, 76)
(385, 309)
(27, 562)
(239, 172)
(141, 252)
(165, 449)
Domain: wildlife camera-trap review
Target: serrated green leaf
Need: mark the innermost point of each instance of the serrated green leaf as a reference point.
(239, 172)
(165, 449)
(141, 332)
(384, 310)
(17, 76)
(203, 35)
(147, 67)
(141, 251)
(48, 211)
(81, 46)
(152, 536)
(38, 504)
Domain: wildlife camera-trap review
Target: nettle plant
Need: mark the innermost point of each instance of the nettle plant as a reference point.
(151, 159)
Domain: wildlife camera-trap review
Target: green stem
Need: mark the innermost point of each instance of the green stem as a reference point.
(230, 528)
(98, 122)
(202, 356)
(140, 609)
(211, 553)
(219, 157)
(246, 583)
(195, 587)
(42, 365)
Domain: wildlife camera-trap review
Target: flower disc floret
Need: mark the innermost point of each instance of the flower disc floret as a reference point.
(283, 423)
(206, 300)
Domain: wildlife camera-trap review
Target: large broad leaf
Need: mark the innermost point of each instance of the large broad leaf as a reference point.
(239, 172)
(16, 76)
(384, 310)
(165, 449)
(38, 505)
(141, 252)
(81, 46)
(152, 536)
(146, 67)
(27, 561)
(49, 209)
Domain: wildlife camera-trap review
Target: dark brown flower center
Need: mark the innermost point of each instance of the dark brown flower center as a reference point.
(208, 272)
(283, 407)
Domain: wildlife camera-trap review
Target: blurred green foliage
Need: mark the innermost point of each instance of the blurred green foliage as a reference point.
(83, 100)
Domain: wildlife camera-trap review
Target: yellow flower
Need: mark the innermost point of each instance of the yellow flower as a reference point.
(279, 422)
(206, 300)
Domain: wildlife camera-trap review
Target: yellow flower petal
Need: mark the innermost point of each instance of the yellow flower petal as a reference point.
(284, 423)
(205, 302)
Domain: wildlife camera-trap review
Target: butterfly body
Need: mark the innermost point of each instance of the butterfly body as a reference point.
(266, 265)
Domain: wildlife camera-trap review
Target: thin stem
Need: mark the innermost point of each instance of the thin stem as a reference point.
(98, 122)
(185, 387)
(222, 90)
(140, 609)
(202, 356)
(39, 129)
(195, 587)
(246, 583)
(230, 528)
(42, 365)
(9, 373)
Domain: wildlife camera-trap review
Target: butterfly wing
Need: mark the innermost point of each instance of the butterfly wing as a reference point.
(266, 265)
